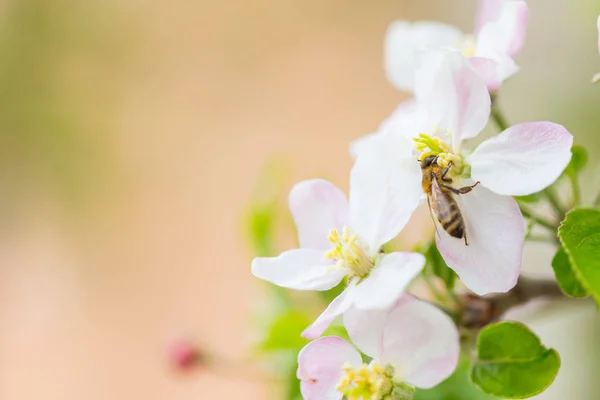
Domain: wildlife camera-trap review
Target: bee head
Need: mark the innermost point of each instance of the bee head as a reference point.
(427, 161)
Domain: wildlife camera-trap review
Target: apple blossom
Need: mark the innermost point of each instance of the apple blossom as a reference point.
(500, 35)
(342, 238)
(412, 344)
(522, 160)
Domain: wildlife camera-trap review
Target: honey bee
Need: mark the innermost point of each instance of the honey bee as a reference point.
(440, 198)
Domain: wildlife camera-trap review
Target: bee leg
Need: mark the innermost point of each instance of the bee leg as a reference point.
(445, 171)
(450, 188)
(466, 241)
(467, 189)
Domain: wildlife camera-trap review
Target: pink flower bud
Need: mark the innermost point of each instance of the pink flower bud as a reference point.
(184, 355)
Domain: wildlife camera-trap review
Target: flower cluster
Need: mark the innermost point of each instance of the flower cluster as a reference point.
(419, 154)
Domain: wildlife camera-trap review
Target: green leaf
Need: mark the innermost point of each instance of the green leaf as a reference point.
(567, 278)
(532, 198)
(437, 266)
(578, 160)
(512, 362)
(284, 332)
(579, 234)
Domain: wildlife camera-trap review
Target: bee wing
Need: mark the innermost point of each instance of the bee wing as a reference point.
(435, 224)
(440, 203)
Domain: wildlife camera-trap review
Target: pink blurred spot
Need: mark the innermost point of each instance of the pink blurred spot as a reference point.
(184, 355)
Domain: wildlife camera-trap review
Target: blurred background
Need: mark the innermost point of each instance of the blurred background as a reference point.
(146, 152)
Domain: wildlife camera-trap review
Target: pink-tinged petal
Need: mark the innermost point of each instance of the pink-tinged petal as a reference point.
(337, 307)
(455, 96)
(384, 190)
(320, 367)
(494, 72)
(506, 36)
(317, 206)
(388, 280)
(488, 11)
(421, 342)
(404, 40)
(300, 269)
(523, 159)
(495, 230)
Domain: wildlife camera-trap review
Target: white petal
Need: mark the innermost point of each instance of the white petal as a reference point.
(320, 367)
(407, 120)
(598, 23)
(317, 206)
(359, 145)
(336, 308)
(488, 11)
(455, 96)
(365, 328)
(384, 190)
(405, 39)
(301, 269)
(495, 231)
(506, 36)
(523, 159)
(421, 342)
(388, 280)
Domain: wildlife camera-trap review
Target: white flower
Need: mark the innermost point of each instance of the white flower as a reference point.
(500, 35)
(454, 106)
(340, 238)
(413, 343)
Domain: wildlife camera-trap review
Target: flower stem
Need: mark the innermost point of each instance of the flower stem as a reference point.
(597, 200)
(480, 311)
(434, 290)
(498, 118)
(554, 202)
(540, 238)
(538, 220)
(577, 190)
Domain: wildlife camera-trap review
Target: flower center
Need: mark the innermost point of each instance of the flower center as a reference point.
(366, 382)
(428, 145)
(348, 253)
(467, 47)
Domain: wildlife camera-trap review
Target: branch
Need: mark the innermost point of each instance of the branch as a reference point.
(479, 311)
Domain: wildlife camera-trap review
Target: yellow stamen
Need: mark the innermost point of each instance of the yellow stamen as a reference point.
(429, 145)
(467, 47)
(366, 382)
(349, 253)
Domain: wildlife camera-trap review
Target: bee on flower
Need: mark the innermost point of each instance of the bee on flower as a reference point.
(452, 104)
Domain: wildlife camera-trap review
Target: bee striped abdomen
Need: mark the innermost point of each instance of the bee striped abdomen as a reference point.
(451, 219)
